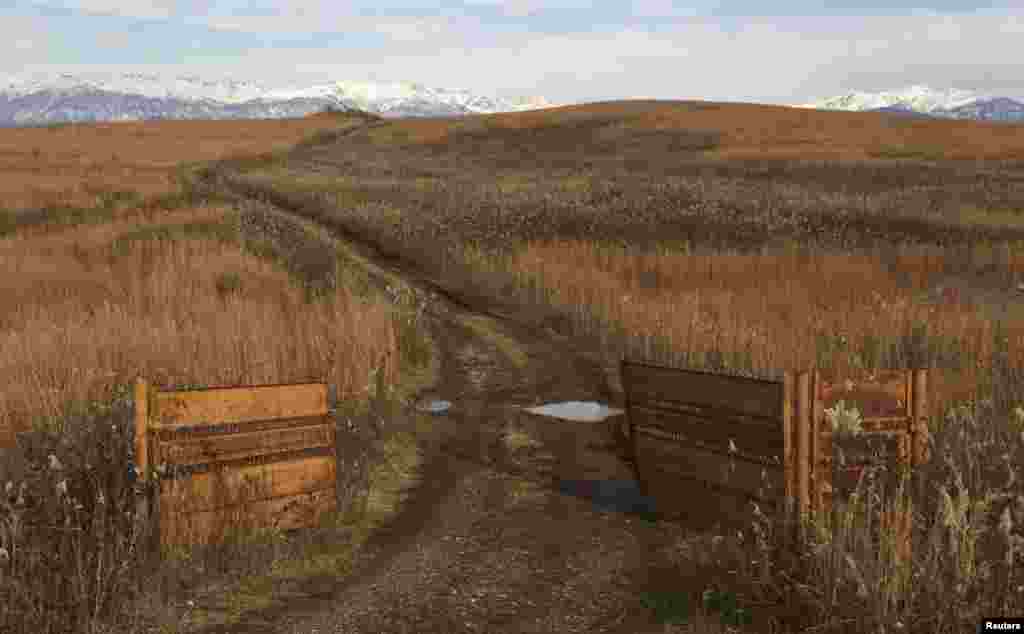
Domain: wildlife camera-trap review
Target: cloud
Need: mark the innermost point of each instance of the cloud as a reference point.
(316, 18)
(785, 60)
(22, 40)
(113, 39)
(1013, 24)
(148, 9)
(945, 29)
(663, 8)
(857, 7)
(524, 8)
(663, 55)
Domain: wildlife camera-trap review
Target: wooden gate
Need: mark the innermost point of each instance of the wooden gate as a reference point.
(247, 457)
(756, 440)
(720, 431)
(894, 414)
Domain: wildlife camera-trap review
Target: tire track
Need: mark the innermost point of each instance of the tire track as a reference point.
(427, 568)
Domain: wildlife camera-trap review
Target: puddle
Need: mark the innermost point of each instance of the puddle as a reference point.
(434, 407)
(617, 496)
(586, 411)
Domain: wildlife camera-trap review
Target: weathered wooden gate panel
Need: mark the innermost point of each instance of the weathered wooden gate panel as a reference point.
(724, 433)
(246, 457)
(765, 441)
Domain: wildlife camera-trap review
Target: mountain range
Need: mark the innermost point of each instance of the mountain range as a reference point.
(70, 97)
(920, 100)
(67, 97)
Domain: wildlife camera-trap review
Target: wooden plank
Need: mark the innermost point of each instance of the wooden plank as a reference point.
(212, 448)
(670, 440)
(703, 506)
(885, 423)
(919, 417)
(884, 397)
(238, 404)
(192, 432)
(141, 426)
(749, 439)
(294, 511)
(753, 397)
(226, 487)
(814, 428)
(658, 460)
(709, 412)
(789, 437)
(803, 441)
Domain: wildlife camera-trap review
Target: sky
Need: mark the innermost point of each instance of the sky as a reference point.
(786, 51)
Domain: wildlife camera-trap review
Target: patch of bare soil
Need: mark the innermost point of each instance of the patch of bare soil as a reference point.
(485, 542)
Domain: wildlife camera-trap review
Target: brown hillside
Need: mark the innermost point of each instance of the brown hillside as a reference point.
(761, 131)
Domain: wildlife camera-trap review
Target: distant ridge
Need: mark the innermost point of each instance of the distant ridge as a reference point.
(927, 101)
(902, 111)
(69, 97)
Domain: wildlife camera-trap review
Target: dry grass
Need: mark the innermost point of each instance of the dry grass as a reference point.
(758, 237)
(772, 311)
(81, 165)
(107, 303)
(758, 314)
(182, 301)
(191, 295)
(747, 239)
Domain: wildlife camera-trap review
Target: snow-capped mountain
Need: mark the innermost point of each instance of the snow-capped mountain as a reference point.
(29, 100)
(991, 109)
(923, 100)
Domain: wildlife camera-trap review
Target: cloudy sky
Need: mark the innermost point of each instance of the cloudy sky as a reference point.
(787, 51)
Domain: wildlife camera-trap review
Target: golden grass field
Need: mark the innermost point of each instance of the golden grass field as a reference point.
(197, 311)
(82, 291)
(180, 290)
(75, 164)
(728, 237)
(744, 239)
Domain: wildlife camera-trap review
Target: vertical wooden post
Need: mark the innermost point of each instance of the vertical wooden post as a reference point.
(141, 426)
(917, 380)
(145, 516)
(817, 476)
(788, 438)
(919, 415)
(790, 432)
(804, 406)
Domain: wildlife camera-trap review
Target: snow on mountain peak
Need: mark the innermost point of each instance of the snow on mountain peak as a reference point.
(917, 97)
(184, 95)
(189, 87)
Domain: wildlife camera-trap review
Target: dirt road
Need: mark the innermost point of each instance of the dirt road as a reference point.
(485, 542)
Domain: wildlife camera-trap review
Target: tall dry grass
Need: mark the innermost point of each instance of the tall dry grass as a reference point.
(200, 312)
(785, 207)
(195, 297)
(775, 310)
(757, 314)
